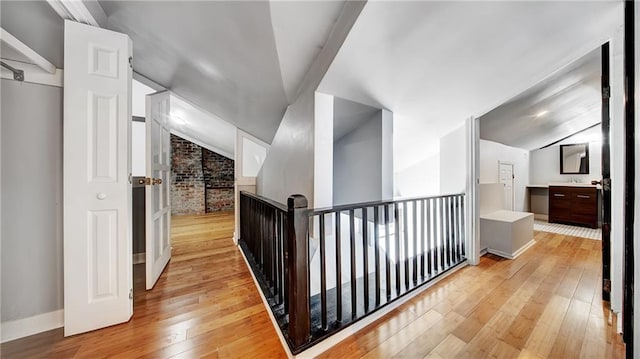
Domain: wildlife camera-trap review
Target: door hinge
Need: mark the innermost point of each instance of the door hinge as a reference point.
(606, 184)
(606, 285)
(606, 92)
(131, 293)
(130, 178)
(145, 181)
(131, 61)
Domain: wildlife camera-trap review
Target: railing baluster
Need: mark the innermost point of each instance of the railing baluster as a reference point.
(405, 243)
(442, 234)
(396, 213)
(423, 245)
(456, 226)
(365, 257)
(352, 235)
(338, 269)
(323, 274)
(429, 238)
(462, 227)
(376, 237)
(387, 249)
(415, 243)
(447, 220)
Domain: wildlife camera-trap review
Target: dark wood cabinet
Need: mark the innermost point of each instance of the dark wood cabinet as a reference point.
(573, 205)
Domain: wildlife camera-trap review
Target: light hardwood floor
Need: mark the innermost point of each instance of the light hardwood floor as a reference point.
(204, 305)
(545, 304)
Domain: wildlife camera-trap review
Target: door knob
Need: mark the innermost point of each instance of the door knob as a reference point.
(594, 182)
(101, 196)
(156, 181)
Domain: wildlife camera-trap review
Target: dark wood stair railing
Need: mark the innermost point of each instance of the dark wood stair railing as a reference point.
(322, 270)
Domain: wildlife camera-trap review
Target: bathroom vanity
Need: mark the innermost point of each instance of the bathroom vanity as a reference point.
(574, 204)
(570, 203)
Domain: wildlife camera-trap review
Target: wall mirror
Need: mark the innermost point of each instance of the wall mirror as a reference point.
(574, 159)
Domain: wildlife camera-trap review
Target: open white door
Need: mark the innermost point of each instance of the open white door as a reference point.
(158, 199)
(98, 273)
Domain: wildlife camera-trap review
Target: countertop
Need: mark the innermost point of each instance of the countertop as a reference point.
(563, 184)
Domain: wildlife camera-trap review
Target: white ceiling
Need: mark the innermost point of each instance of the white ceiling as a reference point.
(435, 64)
(561, 105)
(241, 61)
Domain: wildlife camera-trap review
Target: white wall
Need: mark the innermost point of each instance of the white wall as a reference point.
(419, 180)
(453, 161)
(491, 153)
(31, 182)
(323, 156)
(289, 166)
(545, 165)
(357, 164)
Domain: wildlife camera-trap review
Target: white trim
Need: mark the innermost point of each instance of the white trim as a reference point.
(139, 258)
(34, 74)
(20, 328)
(201, 144)
(73, 10)
(25, 50)
(513, 255)
(472, 201)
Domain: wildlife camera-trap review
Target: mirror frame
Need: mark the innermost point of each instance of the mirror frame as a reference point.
(562, 172)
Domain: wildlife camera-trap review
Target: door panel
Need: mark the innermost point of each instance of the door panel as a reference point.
(98, 274)
(158, 200)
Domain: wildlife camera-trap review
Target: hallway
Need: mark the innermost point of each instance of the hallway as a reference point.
(544, 304)
(204, 305)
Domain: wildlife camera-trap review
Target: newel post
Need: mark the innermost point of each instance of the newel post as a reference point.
(297, 262)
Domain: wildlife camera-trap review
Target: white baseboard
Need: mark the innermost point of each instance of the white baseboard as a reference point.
(139, 258)
(515, 254)
(16, 329)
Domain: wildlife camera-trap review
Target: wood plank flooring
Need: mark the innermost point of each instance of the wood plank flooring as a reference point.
(545, 304)
(204, 305)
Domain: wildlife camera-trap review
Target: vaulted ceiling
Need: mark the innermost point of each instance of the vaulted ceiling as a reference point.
(241, 61)
(567, 102)
(435, 64)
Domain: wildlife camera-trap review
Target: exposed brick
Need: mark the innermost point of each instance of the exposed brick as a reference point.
(199, 175)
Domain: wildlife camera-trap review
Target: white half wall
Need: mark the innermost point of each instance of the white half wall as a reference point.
(491, 153)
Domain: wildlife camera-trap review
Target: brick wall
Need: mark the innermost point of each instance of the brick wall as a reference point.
(219, 178)
(201, 180)
(187, 177)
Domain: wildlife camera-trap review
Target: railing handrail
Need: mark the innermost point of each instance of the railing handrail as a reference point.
(272, 203)
(346, 207)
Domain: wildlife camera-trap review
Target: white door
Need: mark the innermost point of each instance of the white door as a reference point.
(506, 178)
(98, 278)
(158, 199)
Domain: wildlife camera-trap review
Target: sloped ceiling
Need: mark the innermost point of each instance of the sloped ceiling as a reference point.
(37, 26)
(561, 105)
(435, 64)
(229, 58)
